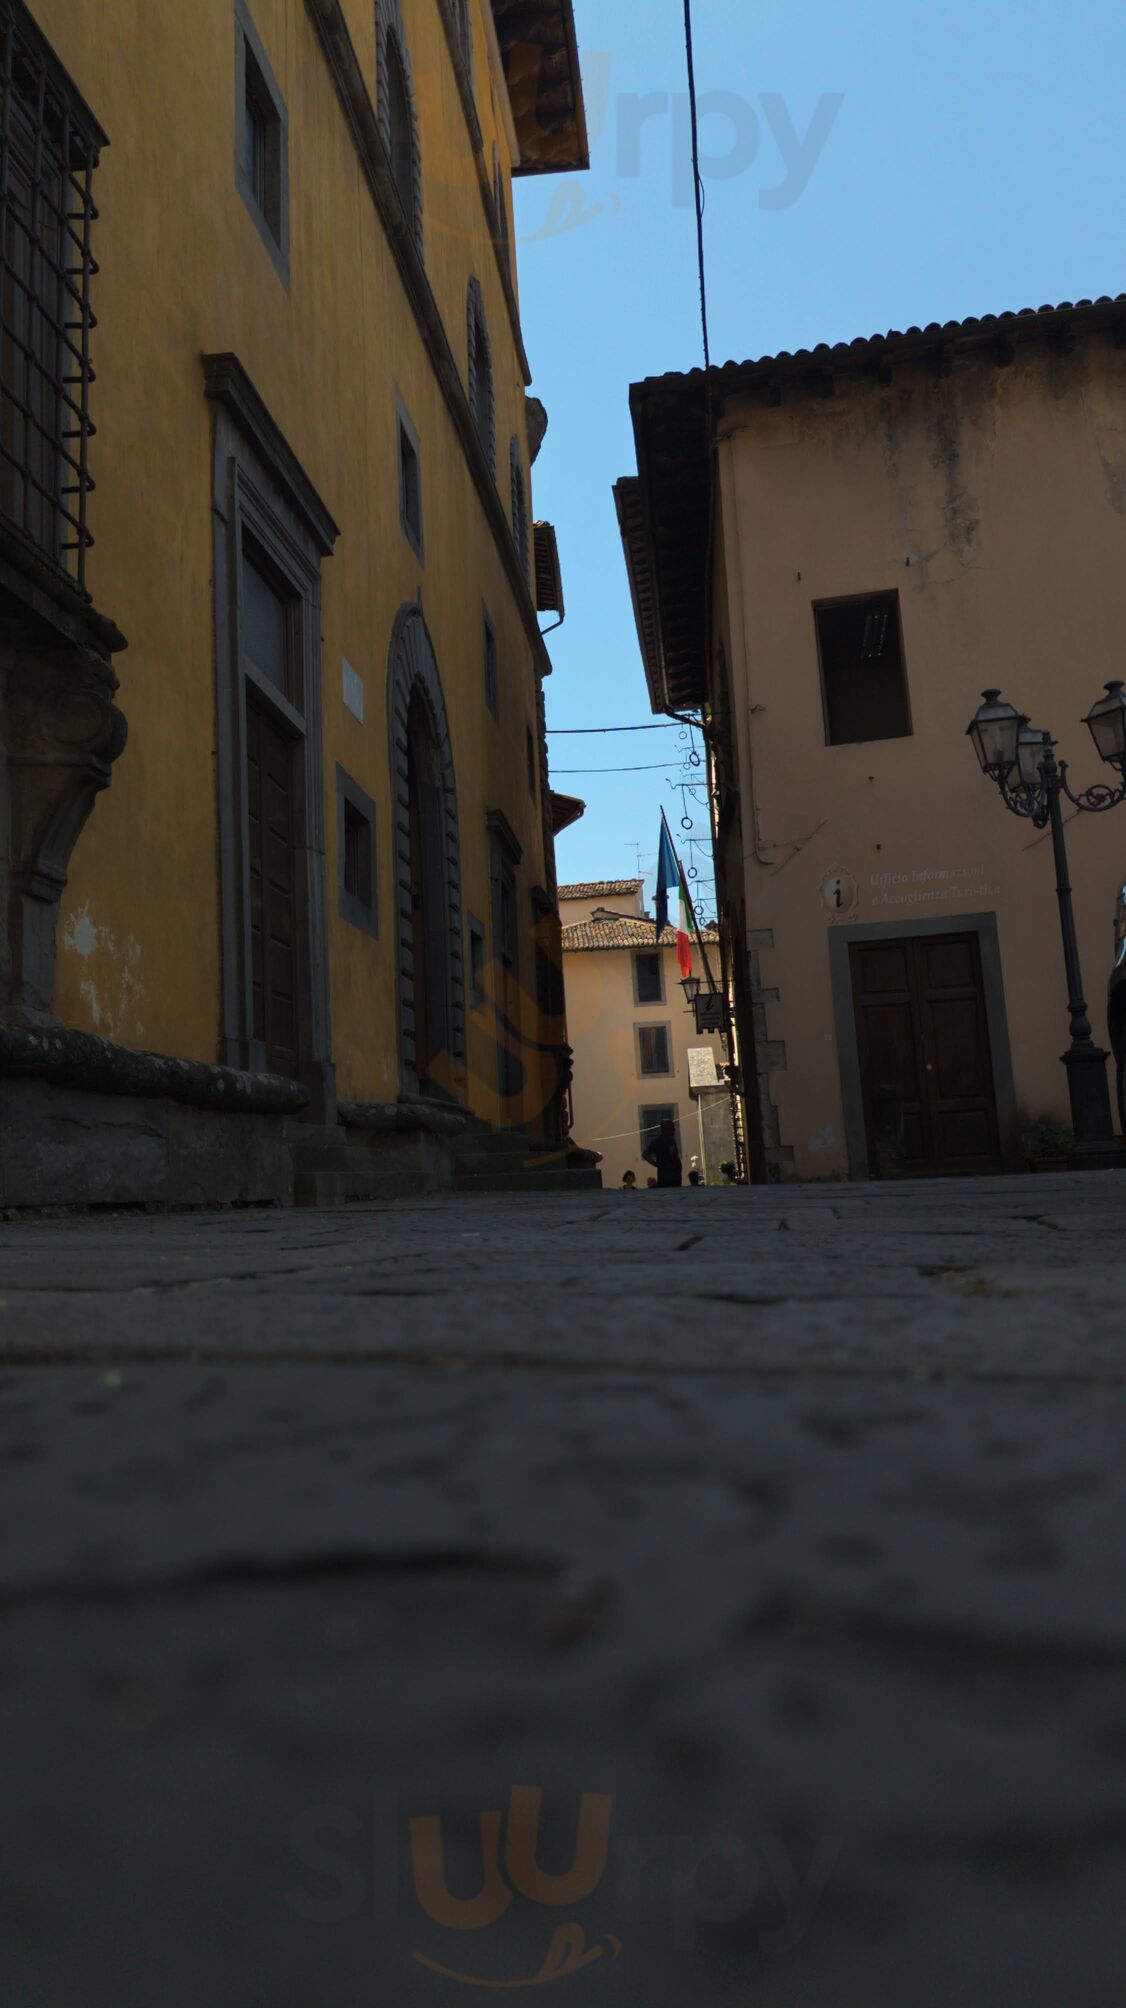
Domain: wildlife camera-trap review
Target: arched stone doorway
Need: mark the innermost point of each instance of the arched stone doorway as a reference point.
(431, 971)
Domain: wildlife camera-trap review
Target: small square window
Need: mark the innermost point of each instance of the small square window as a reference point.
(653, 1055)
(492, 677)
(356, 837)
(862, 671)
(262, 142)
(410, 484)
(648, 979)
(530, 757)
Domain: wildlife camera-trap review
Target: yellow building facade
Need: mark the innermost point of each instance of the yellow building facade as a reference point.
(326, 855)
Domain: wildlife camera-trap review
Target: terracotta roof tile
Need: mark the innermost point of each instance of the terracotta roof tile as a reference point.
(640, 933)
(975, 328)
(601, 889)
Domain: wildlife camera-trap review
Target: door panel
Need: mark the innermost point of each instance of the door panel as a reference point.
(273, 933)
(925, 1063)
(951, 965)
(961, 1064)
(886, 969)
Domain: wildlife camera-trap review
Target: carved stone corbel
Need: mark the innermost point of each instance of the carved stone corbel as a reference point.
(60, 733)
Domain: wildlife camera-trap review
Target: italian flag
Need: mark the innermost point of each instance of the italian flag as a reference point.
(670, 876)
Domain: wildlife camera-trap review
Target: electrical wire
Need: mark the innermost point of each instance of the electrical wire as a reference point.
(584, 731)
(661, 767)
(700, 193)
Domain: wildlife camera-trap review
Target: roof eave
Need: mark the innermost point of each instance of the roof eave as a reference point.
(539, 49)
(642, 585)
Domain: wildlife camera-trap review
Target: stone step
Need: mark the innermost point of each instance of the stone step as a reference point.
(528, 1181)
(510, 1160)
(496, 1144)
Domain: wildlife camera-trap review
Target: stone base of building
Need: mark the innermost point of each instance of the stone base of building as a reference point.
(85, 1123)
(377, 1150)
(75, 1148)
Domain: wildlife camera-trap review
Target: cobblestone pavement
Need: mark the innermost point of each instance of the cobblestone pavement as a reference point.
(791, 1523)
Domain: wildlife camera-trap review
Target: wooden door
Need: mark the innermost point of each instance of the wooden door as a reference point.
(925, 1061)
(273, 916)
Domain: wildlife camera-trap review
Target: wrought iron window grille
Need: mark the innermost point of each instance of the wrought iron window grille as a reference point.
(49, 149)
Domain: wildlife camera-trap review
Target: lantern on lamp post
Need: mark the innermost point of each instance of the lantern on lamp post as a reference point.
(1021, 762)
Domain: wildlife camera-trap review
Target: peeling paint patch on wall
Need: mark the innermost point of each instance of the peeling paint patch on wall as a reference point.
(111, 987)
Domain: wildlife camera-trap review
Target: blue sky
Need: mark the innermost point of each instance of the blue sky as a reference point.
(962, 160)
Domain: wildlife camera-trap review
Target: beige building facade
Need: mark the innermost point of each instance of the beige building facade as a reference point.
(637, 1055)
(898, 524)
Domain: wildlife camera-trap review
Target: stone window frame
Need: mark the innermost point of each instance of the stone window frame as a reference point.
(506, 855)
(491, 666)
(480, 357)
(249, 45)
(413, 666)
(389, 28)
(655, 955)
(260, 488)
(463, 15)
(476, 963)
(659, 1073)
(405, 429)
(521, 524)
(501, 224)
(357, 911)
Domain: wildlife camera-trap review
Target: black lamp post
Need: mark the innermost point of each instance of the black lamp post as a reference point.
(1022, 764)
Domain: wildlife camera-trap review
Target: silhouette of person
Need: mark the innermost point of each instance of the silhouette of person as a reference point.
(664, 1154)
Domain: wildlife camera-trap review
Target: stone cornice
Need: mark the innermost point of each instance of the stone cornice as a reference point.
(227, 382)
(347, 75)
(497, 822)
(82, 1060)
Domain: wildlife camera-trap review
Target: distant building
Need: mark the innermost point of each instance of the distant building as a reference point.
(897, 524)
(638, 1057)
(308, 577)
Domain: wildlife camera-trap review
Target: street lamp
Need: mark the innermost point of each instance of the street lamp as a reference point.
(691, 986)
(1107, 722)
(1021, 762)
